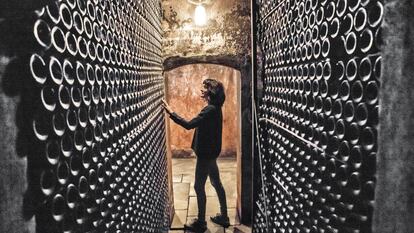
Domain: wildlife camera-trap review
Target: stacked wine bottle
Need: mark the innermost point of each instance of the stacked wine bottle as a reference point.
(98, 71)
(318, 115)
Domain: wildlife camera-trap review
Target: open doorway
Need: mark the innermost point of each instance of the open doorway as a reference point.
(183, 90)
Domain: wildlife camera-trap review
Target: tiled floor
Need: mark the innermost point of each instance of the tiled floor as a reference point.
(185, 200)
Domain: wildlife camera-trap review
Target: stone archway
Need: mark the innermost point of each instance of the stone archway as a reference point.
(244, 171)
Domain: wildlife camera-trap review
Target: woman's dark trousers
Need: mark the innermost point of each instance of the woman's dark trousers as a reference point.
(204, 168)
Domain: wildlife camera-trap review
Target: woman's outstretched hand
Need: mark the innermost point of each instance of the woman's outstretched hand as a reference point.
(167, 107)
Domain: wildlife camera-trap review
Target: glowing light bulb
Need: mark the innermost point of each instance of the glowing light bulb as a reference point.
(200, 16)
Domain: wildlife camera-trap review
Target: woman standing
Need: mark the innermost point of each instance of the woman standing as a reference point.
(207, 147)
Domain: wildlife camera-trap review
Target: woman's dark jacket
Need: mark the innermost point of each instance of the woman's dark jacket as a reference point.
(208, 129)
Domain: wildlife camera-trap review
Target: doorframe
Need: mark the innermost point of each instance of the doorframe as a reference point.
(245, 161)
(169, 158)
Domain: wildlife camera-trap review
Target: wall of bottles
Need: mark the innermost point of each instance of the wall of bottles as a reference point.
(318, 117)
(98, 71)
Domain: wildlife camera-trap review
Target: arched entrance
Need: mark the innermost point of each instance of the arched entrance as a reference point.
(244, 168)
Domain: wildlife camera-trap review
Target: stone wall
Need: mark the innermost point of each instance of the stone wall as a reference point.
(394, 208)
(14, 42)
(226, 32)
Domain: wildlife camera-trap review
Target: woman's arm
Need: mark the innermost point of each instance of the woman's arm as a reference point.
(196, 121)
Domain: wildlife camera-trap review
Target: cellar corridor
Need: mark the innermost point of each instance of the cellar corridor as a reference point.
(317, 138)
